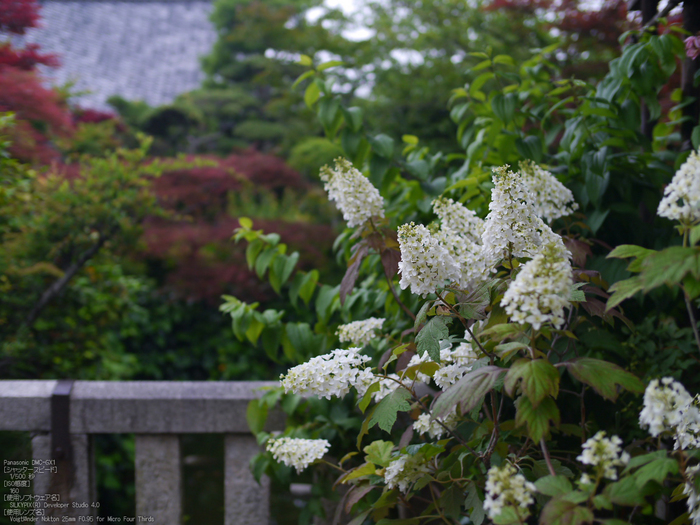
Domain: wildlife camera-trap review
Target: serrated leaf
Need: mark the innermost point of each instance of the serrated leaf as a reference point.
(537, 378)
(669, 266)
(624, 290)
(553, 485)
(363, 470)
(537, 419)
(386, 410)
(379, 452)
(367, 398)
(469, 391)
(561, 512)
(657, 471)
(625, 251)
(603, 376)
(472, 501)
(428, 339)
(625, 492)
(422, 314)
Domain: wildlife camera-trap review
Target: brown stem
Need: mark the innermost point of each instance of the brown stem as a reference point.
(547, 459)
(693, 322)
(58, 285)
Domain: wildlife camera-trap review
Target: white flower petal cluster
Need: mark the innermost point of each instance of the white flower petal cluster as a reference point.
(386, 386)
(424, 265)
(693, 497)
(469, 256)
(330, 375)
(664, 404)
(541, 291)
(297, 453)
(506, 488)
(404, 471)
(681, 199)
(455, 363)
(359, 333)
(605, 454)
(427, 425)
(550, 198)
(354, 194)
(688, 430)
(459, 219)
(417, 359)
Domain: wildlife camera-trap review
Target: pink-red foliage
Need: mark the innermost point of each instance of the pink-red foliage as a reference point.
(18, 15)
(26, 59)
(267, 170)
(91, 116)
(39, 115)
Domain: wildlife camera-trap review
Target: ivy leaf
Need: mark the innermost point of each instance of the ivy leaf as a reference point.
(428, 339)
(603, 376)
(561, 512)
(537, 378)
(386, 410)
(379, 452)
(468, 392)
(536, 419)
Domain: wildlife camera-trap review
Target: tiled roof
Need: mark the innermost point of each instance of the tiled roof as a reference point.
(141, 50)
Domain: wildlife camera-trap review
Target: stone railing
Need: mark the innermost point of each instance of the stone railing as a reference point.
(64, 415)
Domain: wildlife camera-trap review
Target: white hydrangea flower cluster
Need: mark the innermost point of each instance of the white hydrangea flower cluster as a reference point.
(668, 407)
(551, 199)
(297, 453)
(359, 333)
(473, 266)
(330, 375)
(455, 363)
(427, 425)
(424, 265)
(605, 454)
(355, 196)
(664, 402)
(404, 471)
(506, 488)
(459, 219)
(693, 497)
(541, 290)
(681, 199)
(386, 386)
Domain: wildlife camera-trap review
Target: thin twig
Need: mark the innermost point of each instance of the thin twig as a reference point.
(661, 14)
(693, 322)
(545, 452)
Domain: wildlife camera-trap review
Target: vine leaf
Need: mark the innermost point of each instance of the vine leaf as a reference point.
(537, 379)
(536, 419)
(603, 376)
(428, 339)
(385, 412)
(562, 512)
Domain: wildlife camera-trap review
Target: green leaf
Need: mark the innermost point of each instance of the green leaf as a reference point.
(353, 116)
(329, 64)
(537, 419)
(252, 251)
(657, 471)
(537, 378)
(367, 398)
(326, 303)
(410, 139)
(363, 470)
(386, 410)
(625, 492)
(245, 223)
(469, 391)
(669, 266)
(256, 416)
(603, 376)
(451, 502)
(504, 107)
(406, 521)
(553, 485)
(306, 60)
(624, 290)
(383, 145)
(422, 314)
(695, 137)
(308, 286)
(504, 59)
(472, 501)
(302, 77)
(311, 94)
(379, 452)
(428, 339)
(561, 512)
(264, 259)
(628, 250)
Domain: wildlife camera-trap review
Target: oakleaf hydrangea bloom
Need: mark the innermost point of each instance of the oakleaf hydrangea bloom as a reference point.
(427, 425)
(329, 375)
(693, 497)
(682, 196)
(359, 333)
(386, 386)
(354, 194)
(541, 290)
(297, 453)
(424, 265)
(550, 198)
(415, 360)
(512, 225)
(404, 471)
(459, 219)
(469, 256)
(605, 454)
(688, 430)
(664, 403)
(456, 362)
(506, 488)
